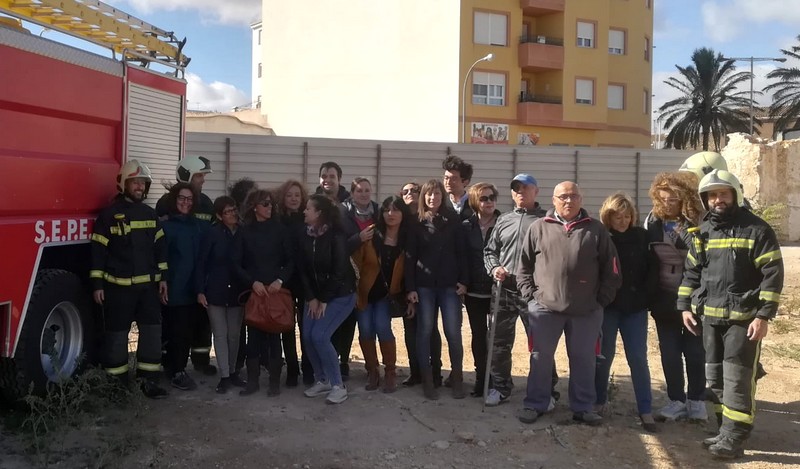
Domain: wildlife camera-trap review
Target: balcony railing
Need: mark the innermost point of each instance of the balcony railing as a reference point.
(539, 98)
(540, 39)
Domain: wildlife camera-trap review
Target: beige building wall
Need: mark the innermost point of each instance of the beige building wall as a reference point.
(361, 69)
(248, 122)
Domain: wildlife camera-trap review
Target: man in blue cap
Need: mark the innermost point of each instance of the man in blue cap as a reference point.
(501, 257)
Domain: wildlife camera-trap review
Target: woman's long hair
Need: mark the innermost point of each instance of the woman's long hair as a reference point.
(684, 186)
(329, 211)
(396, 203)
(254, 197)
(445, 210)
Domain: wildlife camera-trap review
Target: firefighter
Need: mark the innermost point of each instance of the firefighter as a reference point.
(733, 280)
(129, 258)
(192, 170)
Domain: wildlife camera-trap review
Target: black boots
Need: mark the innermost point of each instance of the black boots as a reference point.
(275, 367)
(253, 373)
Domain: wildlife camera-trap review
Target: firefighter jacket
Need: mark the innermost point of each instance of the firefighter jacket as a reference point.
(734, 270)
(128, 245)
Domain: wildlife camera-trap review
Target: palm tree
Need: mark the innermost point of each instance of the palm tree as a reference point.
(711, 105)
(786, 100)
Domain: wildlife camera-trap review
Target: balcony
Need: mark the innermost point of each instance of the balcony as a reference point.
(541, 7)
(541, 53)
(538, 109)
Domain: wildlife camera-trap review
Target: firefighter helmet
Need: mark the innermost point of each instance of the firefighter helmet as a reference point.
(190, 166)
(704, 162)
(133, 169)
(720, 179)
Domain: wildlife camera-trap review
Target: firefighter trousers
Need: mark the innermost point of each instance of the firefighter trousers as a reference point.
(123, 305)
(731, 365)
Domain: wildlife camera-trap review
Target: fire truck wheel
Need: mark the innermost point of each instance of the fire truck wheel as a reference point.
(55, 339)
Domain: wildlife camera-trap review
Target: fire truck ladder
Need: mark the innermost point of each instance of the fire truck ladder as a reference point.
(104, 25)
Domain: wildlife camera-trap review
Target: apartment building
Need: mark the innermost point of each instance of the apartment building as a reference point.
(563, 72)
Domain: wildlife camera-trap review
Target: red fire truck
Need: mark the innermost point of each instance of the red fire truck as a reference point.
(68, 119)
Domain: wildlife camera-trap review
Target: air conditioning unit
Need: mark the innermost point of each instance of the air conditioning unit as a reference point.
(540, 39)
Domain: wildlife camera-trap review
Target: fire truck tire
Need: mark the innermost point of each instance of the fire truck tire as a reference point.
(56, 338)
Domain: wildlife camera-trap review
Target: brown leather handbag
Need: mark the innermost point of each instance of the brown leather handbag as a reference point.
(271, 313)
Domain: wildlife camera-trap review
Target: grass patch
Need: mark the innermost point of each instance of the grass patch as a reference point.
(791, 352)
(783, 325)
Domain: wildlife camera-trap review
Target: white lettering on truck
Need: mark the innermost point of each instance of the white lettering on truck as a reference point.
(52, 231)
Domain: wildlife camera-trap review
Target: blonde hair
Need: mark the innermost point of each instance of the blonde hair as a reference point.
(619, 202)
(474, 194)
(680, 184)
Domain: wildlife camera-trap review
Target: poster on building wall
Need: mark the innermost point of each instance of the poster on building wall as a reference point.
(489, 133)
(528, 138)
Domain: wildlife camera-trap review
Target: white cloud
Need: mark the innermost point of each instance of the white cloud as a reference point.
(215, 96)
(725, 19)
(237, 12)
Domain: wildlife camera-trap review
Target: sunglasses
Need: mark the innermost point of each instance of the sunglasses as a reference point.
(265, 203)
(410, 191)
(487, 198)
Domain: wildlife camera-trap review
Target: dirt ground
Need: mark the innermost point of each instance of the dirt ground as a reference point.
(404, 430)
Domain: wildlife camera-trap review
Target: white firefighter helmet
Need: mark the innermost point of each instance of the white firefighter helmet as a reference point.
(720, 179)
(133, 169)
(704, 162)
(190, 166)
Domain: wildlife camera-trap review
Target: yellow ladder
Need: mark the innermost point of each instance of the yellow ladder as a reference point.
(101, 24)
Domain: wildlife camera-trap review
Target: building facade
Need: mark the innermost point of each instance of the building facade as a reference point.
(563, 72)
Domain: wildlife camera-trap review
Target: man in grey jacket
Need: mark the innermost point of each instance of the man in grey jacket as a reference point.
(568, 272)
(501, 258)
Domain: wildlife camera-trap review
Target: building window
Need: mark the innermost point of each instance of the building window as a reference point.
(259, 70)
(491, 29)
(646, 101)
(584, 91)
(646, 49)
(259, 37)
(616, 42)
(489, 88)
(616, 96)
(585, 34)
(647, 3)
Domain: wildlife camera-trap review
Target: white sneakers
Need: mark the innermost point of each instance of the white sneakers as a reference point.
(696, 411)
(336, 394)
(673, 411)
(318, 389)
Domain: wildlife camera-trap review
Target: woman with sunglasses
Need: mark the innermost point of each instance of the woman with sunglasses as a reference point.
(262, 260)
(182, 232)
(436, 277)
(218, 290)
(478, 227)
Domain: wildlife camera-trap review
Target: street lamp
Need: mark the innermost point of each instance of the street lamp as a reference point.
(487, 58)
(751, 60)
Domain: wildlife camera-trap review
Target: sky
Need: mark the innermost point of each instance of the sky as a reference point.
(219, 40)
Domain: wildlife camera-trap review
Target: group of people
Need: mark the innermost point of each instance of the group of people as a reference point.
(181, 272)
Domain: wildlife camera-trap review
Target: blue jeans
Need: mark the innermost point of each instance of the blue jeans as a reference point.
(317, 335)
(375, 320)
(633, 328)
(676, 344)
(430, 301)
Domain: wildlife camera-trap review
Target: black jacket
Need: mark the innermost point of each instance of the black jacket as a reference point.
(662, 300)
(263, 252)
(437, 253)
(638, 277)
(294, 222)
(214, 272)
(734, 270)
(325, 267)
(342, 195)
(347, 212)
(479, 281)
(128, 245)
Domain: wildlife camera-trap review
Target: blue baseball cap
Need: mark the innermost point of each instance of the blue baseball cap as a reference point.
(523, 178)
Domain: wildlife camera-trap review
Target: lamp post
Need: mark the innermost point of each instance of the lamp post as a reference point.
(487, 58)
(751, 60)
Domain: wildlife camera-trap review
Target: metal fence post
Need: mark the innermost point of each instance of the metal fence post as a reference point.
(577, 167)
(305, 162)
(638, 180)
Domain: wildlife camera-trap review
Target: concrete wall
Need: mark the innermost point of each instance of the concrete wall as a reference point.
(770, 174)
